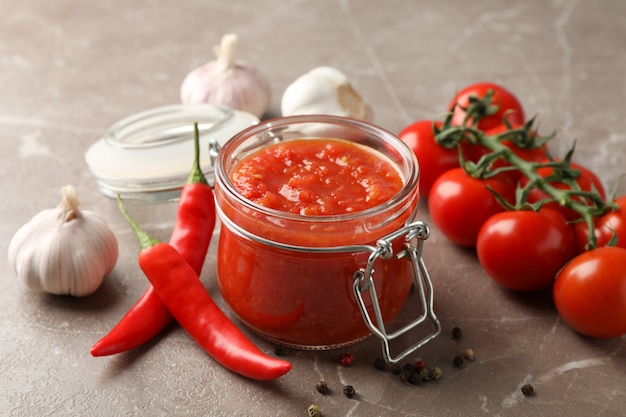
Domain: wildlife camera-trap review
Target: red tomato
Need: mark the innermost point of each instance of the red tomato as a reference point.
(590, 292)
(585, 180)
(613, 222)
(530, 155)
(460, 204)
(433, 158)
(508, 105)
(524, 250)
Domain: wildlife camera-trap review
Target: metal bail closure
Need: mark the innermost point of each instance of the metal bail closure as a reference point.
(214, 149)
(415, 234)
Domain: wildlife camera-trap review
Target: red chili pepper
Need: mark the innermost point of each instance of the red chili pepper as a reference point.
(191, 236)
(184, 295)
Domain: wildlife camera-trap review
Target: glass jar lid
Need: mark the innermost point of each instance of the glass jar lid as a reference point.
(148, 155)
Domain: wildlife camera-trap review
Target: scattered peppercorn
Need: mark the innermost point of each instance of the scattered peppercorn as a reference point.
(345, 359)
(458, 361)
(314, 411)
(420, 364)
(528, 390)
(322, 388)
(414, 378)
(380, 364)
(280, 350)
(436, 373)
(405, 376)
(396, 369)
(432, 374)
(408, 367)
(468, 354)
(349, 391)
(456, 333)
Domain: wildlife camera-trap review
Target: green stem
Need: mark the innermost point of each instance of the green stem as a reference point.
(196, 176)
(144, 239)
(450, 135)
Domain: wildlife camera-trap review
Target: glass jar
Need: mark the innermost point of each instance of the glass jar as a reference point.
(314, 282)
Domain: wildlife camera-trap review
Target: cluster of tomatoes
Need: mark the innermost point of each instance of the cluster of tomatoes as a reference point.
(541, 244)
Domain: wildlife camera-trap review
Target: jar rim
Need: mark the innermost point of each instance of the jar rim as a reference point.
(410, 179)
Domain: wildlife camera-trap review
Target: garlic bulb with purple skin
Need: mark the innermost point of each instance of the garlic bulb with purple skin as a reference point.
(228, 82)
(64, 251)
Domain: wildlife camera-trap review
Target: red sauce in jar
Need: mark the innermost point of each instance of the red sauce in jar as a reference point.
(316, 177)
(299, 298)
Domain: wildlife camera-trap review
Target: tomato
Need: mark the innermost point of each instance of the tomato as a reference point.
(433, 158)
(585, 181)
(524, 250)
(530, 155)
(590, 293)
(460, 204)
(508, 105)
(613, 222)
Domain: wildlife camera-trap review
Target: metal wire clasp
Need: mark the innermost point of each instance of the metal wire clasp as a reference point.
(415, 234)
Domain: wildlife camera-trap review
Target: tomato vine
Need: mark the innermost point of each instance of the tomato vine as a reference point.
(589, 204)
(553, 225)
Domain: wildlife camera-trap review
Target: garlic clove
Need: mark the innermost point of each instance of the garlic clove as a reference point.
(324, 90)
(228, 82)
(64, 250)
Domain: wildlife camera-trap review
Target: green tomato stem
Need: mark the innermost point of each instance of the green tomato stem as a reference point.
(450, 136)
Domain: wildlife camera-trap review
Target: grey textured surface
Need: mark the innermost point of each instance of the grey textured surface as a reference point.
(69, 69)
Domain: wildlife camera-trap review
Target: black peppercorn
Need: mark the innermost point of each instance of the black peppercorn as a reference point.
(322, 388)
(528, 390)
(280, 350)
(414, 378)
(380, 364)
(456, 333)
(349, 391)
(457, 361)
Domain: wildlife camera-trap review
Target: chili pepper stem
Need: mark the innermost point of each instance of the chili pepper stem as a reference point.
(196, 176)
(191, 237)
(144, 239)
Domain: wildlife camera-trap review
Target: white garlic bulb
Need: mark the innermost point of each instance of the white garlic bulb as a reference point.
(227, 82)
(324, 90)
(64, 250)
